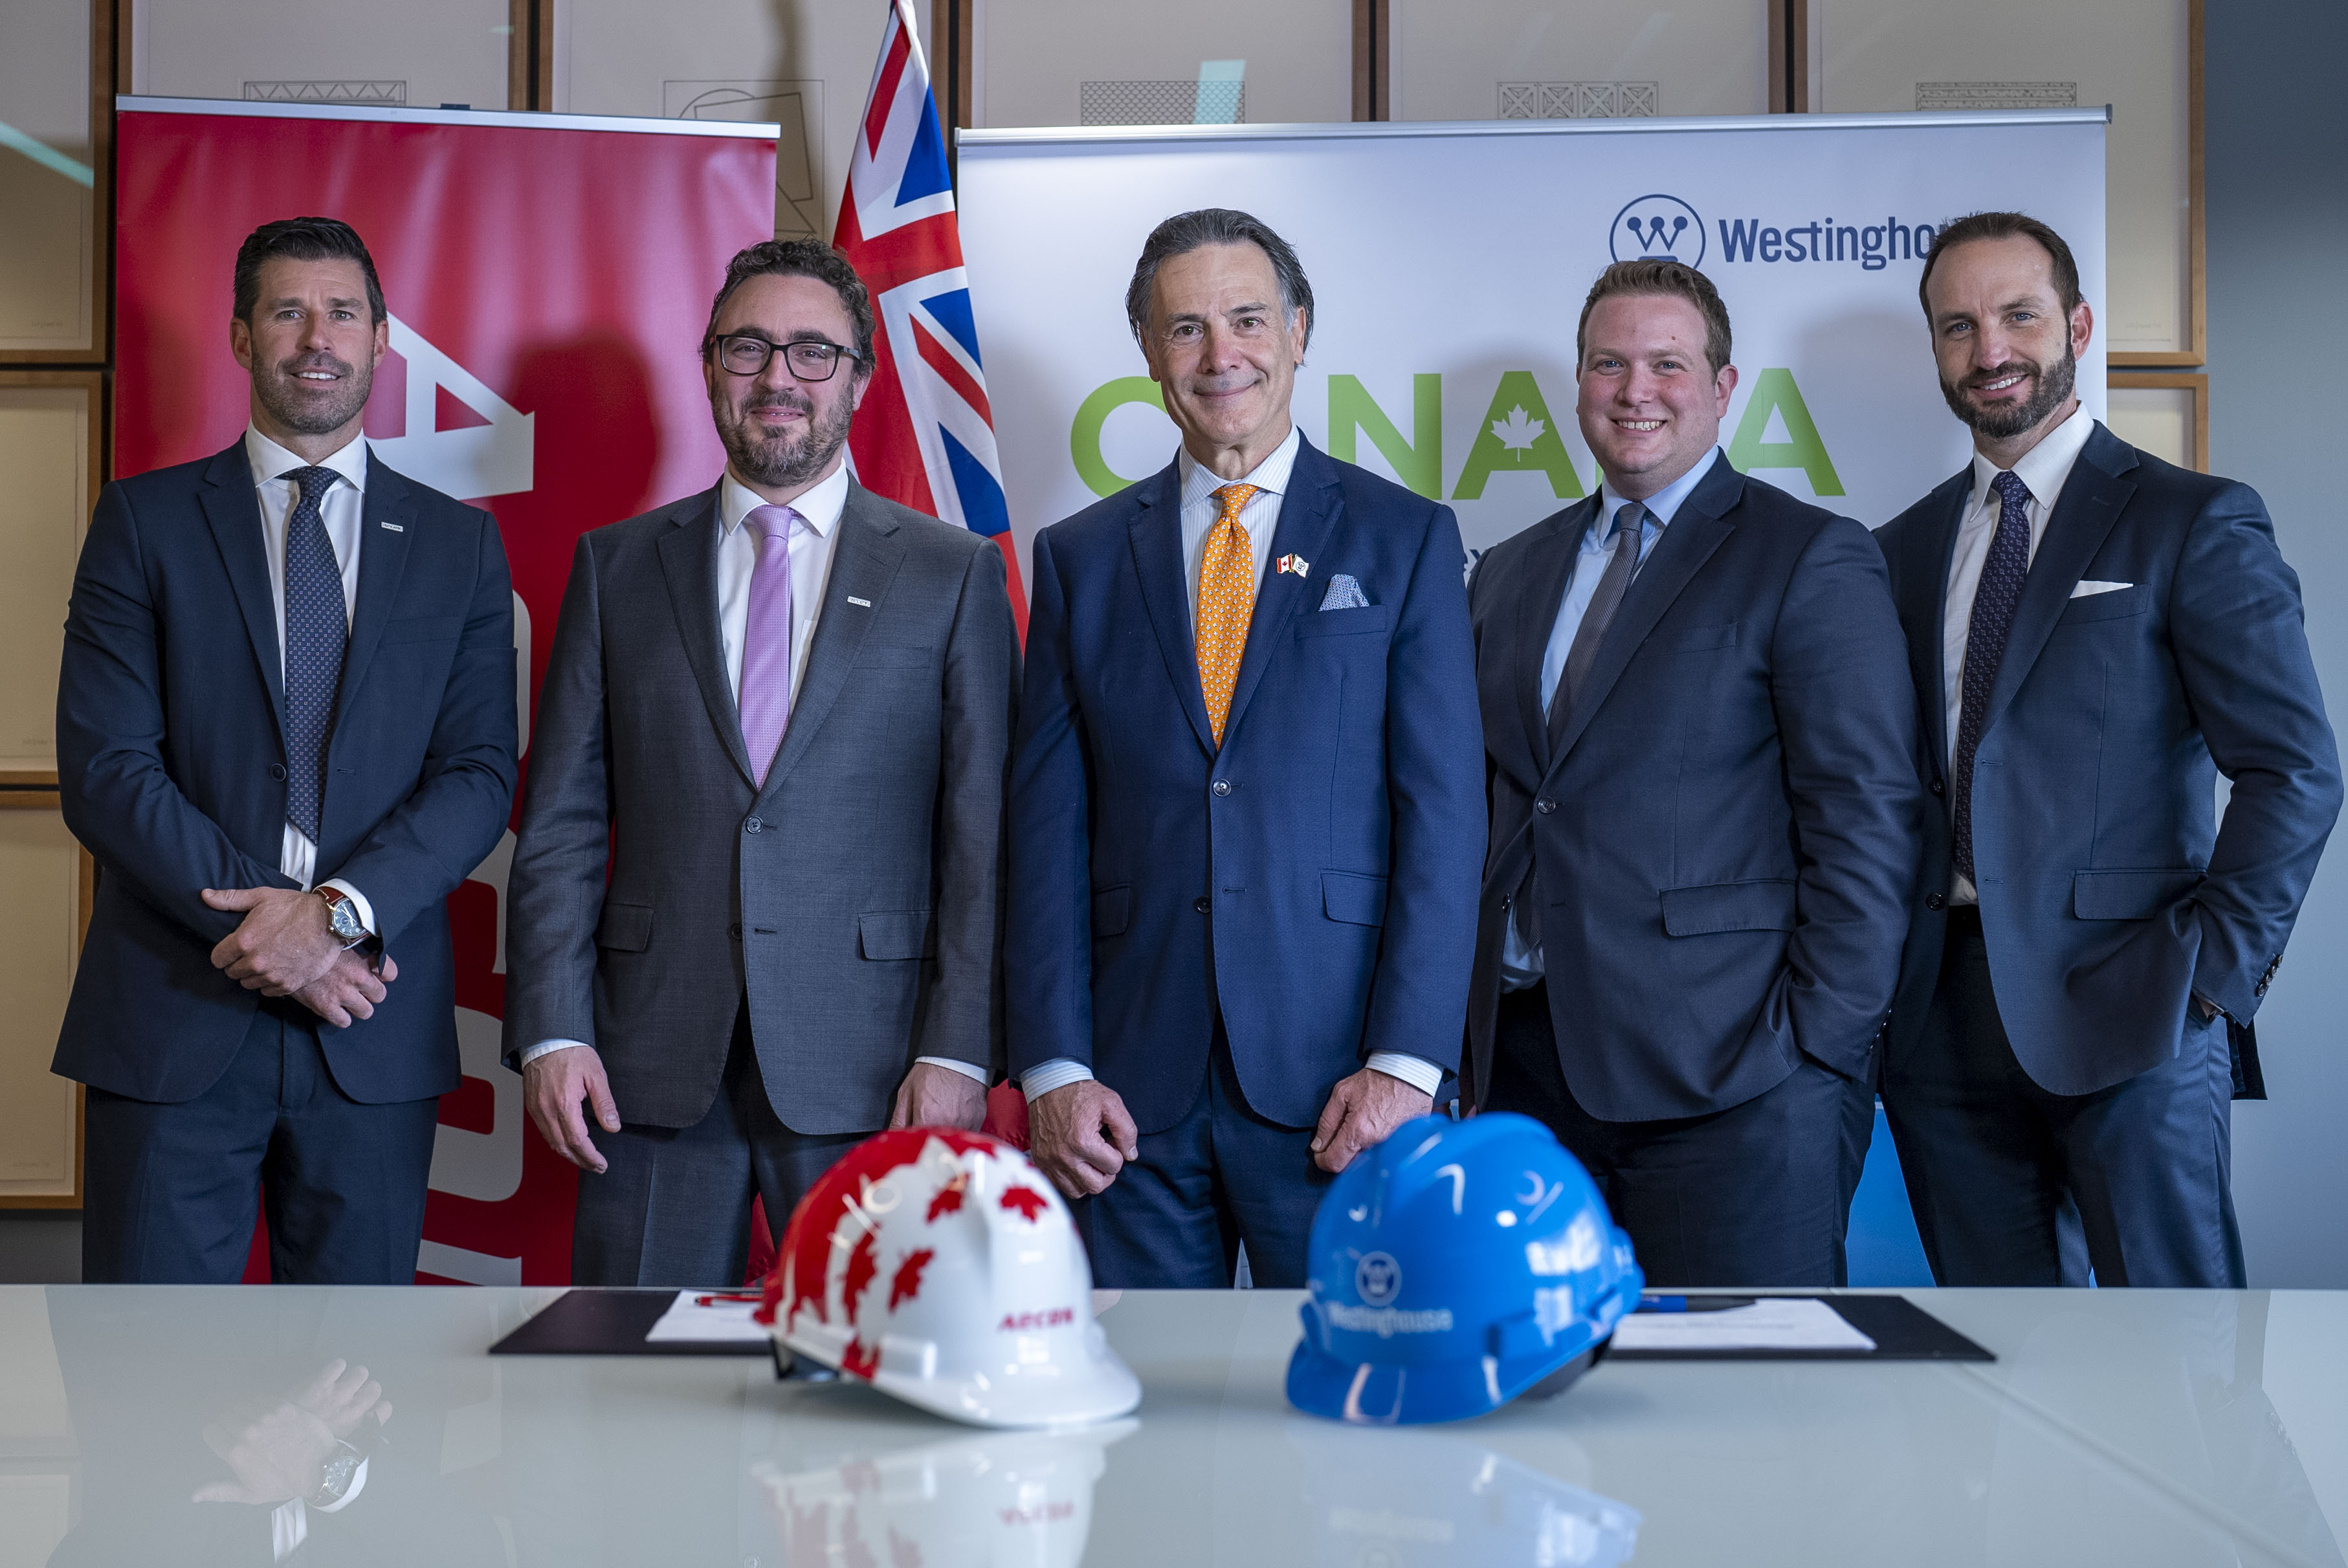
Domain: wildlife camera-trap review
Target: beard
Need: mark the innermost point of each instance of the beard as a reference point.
(778, 459)
(297, 405)
(2051, 389)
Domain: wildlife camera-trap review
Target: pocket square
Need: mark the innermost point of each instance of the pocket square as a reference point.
(2088, 588)
(1345, 594)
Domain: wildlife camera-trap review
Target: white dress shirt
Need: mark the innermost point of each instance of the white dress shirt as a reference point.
(2042, 471)
(1261, 519)
(1520, 962)
(812, 547)
(298, 857)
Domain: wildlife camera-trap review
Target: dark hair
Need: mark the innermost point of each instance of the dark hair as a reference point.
(302, 239)
(1673, 280)
(1187, 231)
(800, 259)
(2003, 226)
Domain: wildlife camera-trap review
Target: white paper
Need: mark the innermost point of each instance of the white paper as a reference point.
(1773, 1323)
(721, 1322)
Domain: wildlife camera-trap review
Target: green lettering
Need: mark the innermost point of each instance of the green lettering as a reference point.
(1517, 434)
(1417, 462)
(1084, 435)
(1775, 389)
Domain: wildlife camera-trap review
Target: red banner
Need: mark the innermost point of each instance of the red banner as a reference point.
(548, 279)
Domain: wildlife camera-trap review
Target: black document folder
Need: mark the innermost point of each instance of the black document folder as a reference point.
(612, 1323)
(1901, 1330)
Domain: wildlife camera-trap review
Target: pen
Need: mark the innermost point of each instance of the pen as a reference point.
(1692, 1302)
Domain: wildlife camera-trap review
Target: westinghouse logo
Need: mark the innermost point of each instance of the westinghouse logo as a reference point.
(1873, 246)
(1657, 228)
(1377, 1278)
(1386, 1321)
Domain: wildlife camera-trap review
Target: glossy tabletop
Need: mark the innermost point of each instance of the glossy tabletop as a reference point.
(2138, 1428)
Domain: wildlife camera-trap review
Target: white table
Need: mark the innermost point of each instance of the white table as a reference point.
(2123, 1428)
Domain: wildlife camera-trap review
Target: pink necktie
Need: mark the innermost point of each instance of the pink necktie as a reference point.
(766, 701)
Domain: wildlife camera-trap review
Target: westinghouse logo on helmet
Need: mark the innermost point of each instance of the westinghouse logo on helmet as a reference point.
(1377, 1278)
(1386, 1321)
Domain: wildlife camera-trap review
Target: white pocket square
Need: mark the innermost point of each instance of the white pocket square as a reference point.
(2089, 589)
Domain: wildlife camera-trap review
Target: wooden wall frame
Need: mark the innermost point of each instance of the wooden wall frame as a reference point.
(2197, 243)
(1789, 56)
(1373, 59)
(2196, 383)
(102, 74)
(19, 798)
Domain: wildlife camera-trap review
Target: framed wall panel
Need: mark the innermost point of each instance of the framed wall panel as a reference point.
(1542, 60)
(55, 117)
(49, 433)
(2141, 57)
(44, 893)
(1139, 62)
(417, 54)
(2165, 413)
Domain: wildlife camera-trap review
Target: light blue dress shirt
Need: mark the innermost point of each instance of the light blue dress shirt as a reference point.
(1520, 964)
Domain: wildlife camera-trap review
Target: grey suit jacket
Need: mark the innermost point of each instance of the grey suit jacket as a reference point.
(856, 898)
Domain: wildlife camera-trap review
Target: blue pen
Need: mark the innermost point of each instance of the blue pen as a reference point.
(1692, 1302)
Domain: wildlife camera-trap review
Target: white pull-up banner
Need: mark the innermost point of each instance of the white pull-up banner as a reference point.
(1449, 264)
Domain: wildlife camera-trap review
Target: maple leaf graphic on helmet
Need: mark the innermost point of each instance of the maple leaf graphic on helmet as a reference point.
(1027, 1200)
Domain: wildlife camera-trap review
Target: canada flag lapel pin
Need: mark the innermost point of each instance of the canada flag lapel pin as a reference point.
(1296, 563)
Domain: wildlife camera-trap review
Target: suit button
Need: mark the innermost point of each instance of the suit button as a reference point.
(1202, 904)
(1544, 806)
(1222, 786)
(734, 931)
(277, 770)
(1934, 901)
(1939, 787)
(752, 825)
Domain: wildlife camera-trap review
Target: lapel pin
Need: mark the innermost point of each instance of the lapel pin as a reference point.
(854, 600)
(1296, 563)
(396, 528)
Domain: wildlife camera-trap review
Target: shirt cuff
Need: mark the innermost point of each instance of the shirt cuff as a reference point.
(289, 1526)
(546, 1048)
(1057, 1073)
(1416, 1071)
(967, 1070)
(359, 904)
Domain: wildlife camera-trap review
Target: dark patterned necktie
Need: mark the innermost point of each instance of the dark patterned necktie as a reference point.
(1999, 590)
(1629, 521)
(317, 631)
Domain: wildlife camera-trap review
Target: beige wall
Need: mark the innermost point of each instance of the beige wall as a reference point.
(1706, 56)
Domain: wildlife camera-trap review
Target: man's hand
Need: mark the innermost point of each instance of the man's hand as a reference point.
(349, 989)
(284, 943)
(1081, 1136)
(933, 1096)
(277, 1450)
(553, 1085)
(1362, 1110)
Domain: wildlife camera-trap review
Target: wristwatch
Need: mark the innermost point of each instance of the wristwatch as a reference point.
(343, 917)
(335, 1479)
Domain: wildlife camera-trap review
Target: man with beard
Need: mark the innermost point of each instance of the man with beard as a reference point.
(2094, 635)
(285, 731)
(789, 701)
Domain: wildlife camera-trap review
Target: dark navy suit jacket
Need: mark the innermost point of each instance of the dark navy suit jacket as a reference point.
(171, 765)
(2108, 893)
(1726, 835)
(1335, 839)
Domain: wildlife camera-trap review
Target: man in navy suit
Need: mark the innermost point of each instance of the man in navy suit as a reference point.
(285, 731)
(2094, 635)
(1704, 831)
(1245, 813)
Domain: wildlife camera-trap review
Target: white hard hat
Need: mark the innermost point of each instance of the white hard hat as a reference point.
(941, 1267)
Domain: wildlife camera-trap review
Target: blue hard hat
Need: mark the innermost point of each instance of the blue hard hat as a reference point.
(1454, 1267)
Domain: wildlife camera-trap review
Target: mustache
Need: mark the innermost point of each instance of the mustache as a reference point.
(320, 360)
(1980, 379)
(797, 403)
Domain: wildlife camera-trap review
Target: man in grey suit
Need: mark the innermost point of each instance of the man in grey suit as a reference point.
(779, 713)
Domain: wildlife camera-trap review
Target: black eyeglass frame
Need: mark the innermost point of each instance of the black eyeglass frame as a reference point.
(834, 352)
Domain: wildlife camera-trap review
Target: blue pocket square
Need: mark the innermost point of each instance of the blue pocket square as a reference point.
(1345, 594)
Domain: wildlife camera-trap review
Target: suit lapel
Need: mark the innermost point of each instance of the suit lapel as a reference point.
(383, 562)
(1308, 515)
(2084, 515)
(1551, 569)
(688, 558)
(1156, 534)
(232, 507)
(1695, 531)
(864, 562)
(1924, 602)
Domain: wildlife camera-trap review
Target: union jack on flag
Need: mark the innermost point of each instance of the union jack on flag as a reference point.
(925, 435)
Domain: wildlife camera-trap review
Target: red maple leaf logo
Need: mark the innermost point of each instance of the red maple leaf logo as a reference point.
(949, 1199)
(907, 1284)
(862, 1264)
(1026, 1201)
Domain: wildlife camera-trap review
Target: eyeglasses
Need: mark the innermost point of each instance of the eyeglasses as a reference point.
(745, 354)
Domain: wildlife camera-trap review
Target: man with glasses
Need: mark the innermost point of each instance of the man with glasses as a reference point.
(753, 912)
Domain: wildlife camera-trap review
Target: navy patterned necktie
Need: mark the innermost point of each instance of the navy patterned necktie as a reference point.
(1994, 597)
(317, 631)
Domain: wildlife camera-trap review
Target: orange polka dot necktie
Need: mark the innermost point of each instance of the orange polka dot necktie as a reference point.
(1226, 601)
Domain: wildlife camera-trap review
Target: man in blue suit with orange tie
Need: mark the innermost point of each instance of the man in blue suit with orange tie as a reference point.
(1247, 801)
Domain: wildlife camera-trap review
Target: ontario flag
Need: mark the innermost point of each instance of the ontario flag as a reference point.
(925, 435)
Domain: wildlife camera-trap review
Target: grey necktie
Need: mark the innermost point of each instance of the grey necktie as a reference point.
(1628, 517)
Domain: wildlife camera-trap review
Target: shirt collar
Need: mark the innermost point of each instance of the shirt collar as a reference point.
(1200, 481)
(820, 508)
(270, 461)
(1660, 506)
(2044, 467)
